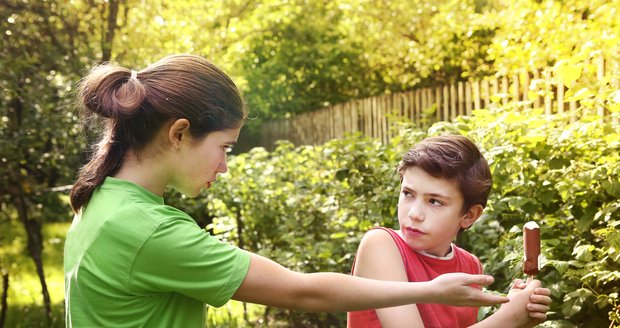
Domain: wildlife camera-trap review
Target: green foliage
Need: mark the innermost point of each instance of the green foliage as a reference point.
(292, 67)
(308, 206)
(564, 176)
(25, 307)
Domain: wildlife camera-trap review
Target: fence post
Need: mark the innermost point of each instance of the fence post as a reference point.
(526, 88)
(476, 87)
(453, 112)
(485, 93)
(467, 98)
(446, 106)
(600, 73)
(548, 99)
(504, 90)
(461, 99)
(438, 102)
(515, 88)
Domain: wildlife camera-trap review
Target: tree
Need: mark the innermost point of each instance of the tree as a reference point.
(45, 47)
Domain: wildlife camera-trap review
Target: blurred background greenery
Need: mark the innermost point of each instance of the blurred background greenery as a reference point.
(294, 56)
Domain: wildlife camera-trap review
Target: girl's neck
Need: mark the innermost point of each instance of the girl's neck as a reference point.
(147, 172)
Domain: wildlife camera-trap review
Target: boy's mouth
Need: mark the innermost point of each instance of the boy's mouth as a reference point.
(414, 232)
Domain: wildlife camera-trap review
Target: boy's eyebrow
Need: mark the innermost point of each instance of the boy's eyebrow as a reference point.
(431, 194)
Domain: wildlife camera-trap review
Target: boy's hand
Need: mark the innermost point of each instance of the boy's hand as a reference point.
(539, 300)
(537, 303)
(456, 290)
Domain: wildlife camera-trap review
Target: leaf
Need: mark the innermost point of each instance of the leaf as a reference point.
(611, 187)
(560, 266)
(567, 73)
(580, 94)
(583, 253)
(338, 235)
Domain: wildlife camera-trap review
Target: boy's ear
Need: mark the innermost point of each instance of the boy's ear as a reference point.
(472, 214)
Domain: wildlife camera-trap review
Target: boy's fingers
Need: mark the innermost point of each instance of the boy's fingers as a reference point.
(518, 284)
(540, 299)
(538, 316)
(533, 284)
(537, 308)
(542, 291)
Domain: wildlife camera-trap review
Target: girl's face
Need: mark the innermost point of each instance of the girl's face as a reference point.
(200, 160)
(430, 212)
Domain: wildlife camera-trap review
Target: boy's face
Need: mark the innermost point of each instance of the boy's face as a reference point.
(430, 212)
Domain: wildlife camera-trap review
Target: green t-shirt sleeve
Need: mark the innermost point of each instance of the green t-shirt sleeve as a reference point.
(180, 257)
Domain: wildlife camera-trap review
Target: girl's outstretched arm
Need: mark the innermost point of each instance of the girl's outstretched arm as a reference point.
(271, 284)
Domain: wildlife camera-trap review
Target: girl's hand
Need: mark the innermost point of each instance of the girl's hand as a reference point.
(456, 289)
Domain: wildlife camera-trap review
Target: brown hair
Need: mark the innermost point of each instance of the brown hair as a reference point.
(135, 105)
(454, 158)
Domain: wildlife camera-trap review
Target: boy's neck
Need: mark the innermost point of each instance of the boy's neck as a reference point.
(449, 255)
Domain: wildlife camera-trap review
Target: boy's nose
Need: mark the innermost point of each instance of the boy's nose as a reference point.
(415, 212)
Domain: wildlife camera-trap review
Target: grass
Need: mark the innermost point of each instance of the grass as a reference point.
(25, 302)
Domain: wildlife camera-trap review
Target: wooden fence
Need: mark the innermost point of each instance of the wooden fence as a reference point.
(371, 116)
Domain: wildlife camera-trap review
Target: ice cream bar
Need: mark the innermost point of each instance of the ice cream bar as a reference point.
(531, 248)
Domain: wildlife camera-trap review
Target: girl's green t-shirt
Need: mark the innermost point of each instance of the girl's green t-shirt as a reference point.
(132, 261)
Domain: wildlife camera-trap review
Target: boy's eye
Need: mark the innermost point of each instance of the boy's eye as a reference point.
(407, 193)
(435, 202)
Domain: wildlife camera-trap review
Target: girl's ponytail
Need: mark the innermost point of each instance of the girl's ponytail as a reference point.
(116, 94)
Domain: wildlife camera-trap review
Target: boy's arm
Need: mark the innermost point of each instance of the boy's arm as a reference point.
(378, 258)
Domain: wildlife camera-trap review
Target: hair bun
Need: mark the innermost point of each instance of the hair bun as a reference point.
(112, 92)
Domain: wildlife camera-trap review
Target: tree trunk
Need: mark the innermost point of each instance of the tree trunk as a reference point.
(110, 31)
(35, 246)
(5, 294)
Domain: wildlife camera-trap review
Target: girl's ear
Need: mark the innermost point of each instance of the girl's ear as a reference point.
(177, 132)
(472, 214)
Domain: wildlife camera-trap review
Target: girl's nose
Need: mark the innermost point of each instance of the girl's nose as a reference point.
(223, 167)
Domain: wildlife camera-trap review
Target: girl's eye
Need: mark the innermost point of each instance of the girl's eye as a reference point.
(227, 149)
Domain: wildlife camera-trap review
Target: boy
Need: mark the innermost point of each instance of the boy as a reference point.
(445, 182)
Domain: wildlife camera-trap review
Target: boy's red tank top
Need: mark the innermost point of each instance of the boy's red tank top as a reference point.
(424, 268)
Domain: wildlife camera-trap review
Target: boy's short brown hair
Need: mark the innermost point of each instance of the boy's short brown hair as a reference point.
(455, 158)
